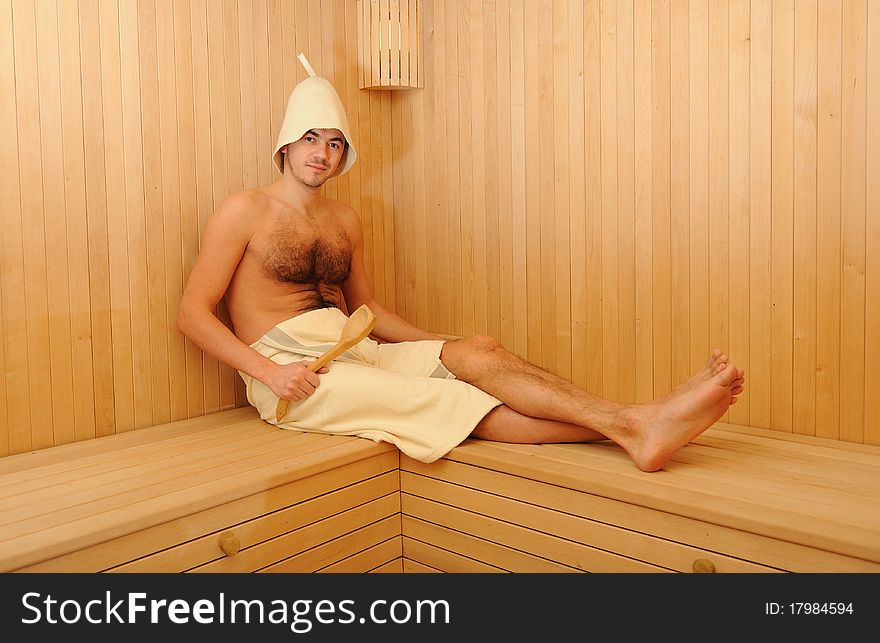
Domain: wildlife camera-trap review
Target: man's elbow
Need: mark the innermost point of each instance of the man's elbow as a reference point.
(184, 320)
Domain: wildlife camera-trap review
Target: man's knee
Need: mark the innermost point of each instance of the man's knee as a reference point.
(483, 343)
(470, 358)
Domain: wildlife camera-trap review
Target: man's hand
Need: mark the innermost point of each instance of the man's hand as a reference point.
(293, 381)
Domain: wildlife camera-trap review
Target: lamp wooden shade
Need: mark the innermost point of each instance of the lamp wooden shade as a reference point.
(389, 44)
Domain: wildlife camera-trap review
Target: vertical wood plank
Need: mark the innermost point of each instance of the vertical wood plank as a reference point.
(229, 379)
(494, 169)
(561, 183)
(184, 28)
(661, 132)
(33, 237)
(388, 256)
(739, 220)
(546, 208)
(610, 214)
(154, 235)
(419, 106)
(77, 242)
(760, 250)
(503, 90)
(117, 236)
(532, 192)
(476, 315)
(643, 185)
(519, 197)
(264, 106)
(626, 284)
(577, 197)
(853, 224)
(469, 166)
(828, 220)
(57, 262)
(805, 124)
(593, 224)
(137, 163)
(15, 421)
(453, 170)
(679, 194)
(719, 104)
(782, 219)
(698, 131)
(872, 232)
(171, 214)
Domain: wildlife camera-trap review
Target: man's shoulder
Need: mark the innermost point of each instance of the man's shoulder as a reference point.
(244, 201)
(344, 212)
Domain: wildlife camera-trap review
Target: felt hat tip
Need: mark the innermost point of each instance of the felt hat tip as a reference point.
(305, 63)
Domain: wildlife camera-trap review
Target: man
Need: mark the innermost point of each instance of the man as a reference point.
(289, 261)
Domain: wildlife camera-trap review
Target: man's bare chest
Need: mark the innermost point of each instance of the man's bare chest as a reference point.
(296, 250)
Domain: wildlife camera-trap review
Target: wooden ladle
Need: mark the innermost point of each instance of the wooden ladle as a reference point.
(358, 326)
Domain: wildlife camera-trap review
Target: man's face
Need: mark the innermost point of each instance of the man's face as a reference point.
(314, 158)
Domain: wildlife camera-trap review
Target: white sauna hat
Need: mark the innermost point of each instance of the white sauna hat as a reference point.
(314, 104)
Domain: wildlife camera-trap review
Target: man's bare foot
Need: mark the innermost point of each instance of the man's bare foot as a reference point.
(717, 360)
(659, 429)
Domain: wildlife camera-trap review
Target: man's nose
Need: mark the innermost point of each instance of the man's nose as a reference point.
(322, 151)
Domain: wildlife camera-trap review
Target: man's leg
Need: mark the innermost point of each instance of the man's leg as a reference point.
(650, 433)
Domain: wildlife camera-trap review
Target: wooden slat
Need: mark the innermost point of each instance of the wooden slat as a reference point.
(391, 567)
(739, 195)
(435, 558)
(14, 435)
(485, 551)
(718, 175)
(64, 454)
(761, 216)
(782, 220)
(635, 545)
(836, 531)
(78, 527)
(378, 558)
(117, 235)
(263, 528)
(679, 194)
(265, 556)
(414, 567)
(119, 550)
(116, 490)
(828, 216)
(338, 549)
(872, 258)
(853, 164)
(609, 210)
(518, 219)
(805, 267)
(77, 244)
(713, 537)
(540, 544)
(137, 160)
(643, 197)
(35, 367)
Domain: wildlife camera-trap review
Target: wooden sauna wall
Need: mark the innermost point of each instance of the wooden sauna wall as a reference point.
(124, 124)
(616, 187)
(612, 188)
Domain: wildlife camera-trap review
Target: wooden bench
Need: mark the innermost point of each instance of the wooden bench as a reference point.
(736, 500)
(229, 492)
(224, 492)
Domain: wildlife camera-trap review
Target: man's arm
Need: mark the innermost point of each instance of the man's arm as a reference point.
(223, 245)
(358, 291)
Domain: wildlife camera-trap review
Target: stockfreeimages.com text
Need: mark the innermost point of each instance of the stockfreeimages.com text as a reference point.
(300, 615)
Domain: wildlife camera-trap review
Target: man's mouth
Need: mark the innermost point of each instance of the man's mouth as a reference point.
(316, 166)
